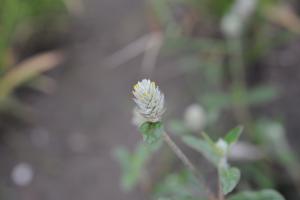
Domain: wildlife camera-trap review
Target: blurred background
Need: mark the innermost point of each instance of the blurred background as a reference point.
(67, 68)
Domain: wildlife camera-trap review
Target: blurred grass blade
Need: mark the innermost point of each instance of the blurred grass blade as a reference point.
(208, 139)
(285, 16)
(28, 69)
(261, 94)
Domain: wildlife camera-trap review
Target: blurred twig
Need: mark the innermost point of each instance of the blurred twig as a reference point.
(285, 16)
(148, 44)
(129, 52)
(151, 52)
(238, 86)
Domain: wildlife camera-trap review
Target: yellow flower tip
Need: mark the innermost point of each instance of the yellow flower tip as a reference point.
(136, 86)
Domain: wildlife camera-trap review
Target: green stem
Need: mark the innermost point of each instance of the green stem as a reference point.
(179, 153)
(220, 191)
(187, 163)
(239, 86)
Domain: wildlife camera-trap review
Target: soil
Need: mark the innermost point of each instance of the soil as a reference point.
(74, 130)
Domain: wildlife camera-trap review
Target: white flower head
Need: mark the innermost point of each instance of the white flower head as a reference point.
(195, 118)
(137, 119)
(149, 100)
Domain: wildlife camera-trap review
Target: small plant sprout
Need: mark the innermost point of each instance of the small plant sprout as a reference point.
(148, 115)
(150, 104)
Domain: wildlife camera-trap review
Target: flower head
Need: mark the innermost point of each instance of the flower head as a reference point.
(149, 100)
(137, 119)
(195, 117)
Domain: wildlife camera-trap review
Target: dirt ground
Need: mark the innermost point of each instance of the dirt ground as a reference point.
(73, 132)
(76, 128)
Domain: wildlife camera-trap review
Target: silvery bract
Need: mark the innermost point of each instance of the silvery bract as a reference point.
(149, 100)
(137, 119)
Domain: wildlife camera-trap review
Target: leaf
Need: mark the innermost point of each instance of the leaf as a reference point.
(130, 172)
(28, 69)
(177, 127)
(122, 155)
(266, 194)
(216, 100)
(229, 178)
(132, 164)
(203, 147)
(233, 135)
(261, 94)
(151, 131)
(179, 185)
(258, 174)
(208, 139)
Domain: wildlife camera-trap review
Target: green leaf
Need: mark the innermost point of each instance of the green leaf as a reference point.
(233, 135)
(130, 172)
(216, 100)
(261, 94)
(177, 127)
(208, 139)
(267, 194)
(132, 164)
(180, 185)
(259, 174)
(203, 147)
(151, 131)
(122, 155)
(229, 178)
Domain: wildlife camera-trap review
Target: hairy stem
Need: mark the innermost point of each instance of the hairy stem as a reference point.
(220, 191)
(187, 163)
(238, 86)
(179, 153)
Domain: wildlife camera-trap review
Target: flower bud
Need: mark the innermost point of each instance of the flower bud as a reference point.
(194, 118)
(222, 147)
